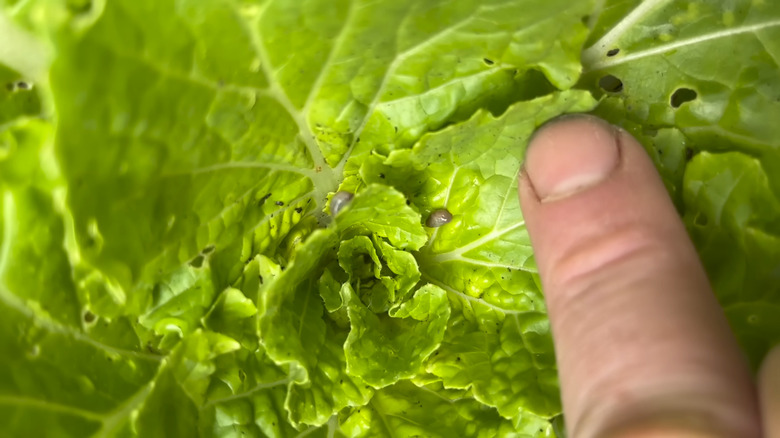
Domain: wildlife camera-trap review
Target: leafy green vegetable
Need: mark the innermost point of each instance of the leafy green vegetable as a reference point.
(168, 262)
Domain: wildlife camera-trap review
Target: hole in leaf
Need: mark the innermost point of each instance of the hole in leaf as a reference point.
(197, 262)
(613, 52)
(208, 249)
(611, 84)
(488, 61)
(79, 6)
(682, 95)
(262, 200)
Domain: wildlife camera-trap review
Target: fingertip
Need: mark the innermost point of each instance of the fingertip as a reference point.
(570, 154)
(632, 314)
(769, 393)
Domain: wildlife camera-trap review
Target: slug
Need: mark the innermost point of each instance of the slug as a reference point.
(438, 218)
(339, 201)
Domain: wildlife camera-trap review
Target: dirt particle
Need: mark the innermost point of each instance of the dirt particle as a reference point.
(263, 199)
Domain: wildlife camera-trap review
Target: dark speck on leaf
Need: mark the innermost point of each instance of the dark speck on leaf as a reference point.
(298, 210)
(279, 203)
(22, 85)
(613, 52)
(488, 61)
(260, 277)
(263, 199)
(382, 175)
(89, 316)
(688, 154)
(408, 202)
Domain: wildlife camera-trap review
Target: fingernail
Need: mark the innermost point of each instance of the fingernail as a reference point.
(569, 155)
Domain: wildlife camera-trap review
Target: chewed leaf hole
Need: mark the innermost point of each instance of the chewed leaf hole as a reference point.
(19, 86)
(197, 262)
(611, 84)
(79, 6)
(682, 95)
(613, 52)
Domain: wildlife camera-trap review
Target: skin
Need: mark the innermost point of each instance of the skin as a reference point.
(643, 347)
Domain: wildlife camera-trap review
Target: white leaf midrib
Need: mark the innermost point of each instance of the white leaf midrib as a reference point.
(611, 38)
(611, 62)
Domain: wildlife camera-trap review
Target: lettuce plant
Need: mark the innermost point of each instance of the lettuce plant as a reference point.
(169, 261)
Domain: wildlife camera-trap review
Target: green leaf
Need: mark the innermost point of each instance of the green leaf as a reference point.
(18, 98)
(65, 373)
(194, 361)
(383, 211)
(294, 333)
(730, 205)
(383, 349)
(374, 289)
(168, 266)
(407, 410)
(497, 341)
(667, 56)
(178, 304)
